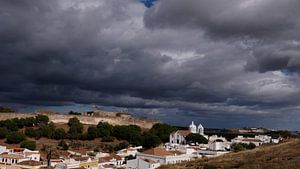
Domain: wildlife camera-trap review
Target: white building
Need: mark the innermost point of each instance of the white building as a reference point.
(247, 140)
(17, 155)
(158, 155)
(142, 163)
(131, 151)
(178, 137)
(112, 160)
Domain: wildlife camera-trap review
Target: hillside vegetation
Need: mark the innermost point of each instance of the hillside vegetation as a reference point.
(282, 156)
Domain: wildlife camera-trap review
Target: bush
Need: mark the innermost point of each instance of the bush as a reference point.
(15, 137)
(47, 130)
(209, 166)
(76, 128)
(236, 147)
(63, 144)
(121, 146)
(31, 132)
(41, 119)
(196, 138)
(59, 134)
(3, 132)
(151, 140)
(104, 129)
(92, 133)
(163, 131)
(11, 125)
(31, 145)
(107, 139)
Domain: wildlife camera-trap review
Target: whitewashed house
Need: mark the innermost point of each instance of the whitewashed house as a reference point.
(142, 163)
(159, 155)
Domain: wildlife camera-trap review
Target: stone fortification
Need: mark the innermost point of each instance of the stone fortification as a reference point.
(92, 120)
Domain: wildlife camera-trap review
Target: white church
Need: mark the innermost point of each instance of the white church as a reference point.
(178, 137)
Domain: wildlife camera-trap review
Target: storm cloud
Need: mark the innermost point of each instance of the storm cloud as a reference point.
(195, 57)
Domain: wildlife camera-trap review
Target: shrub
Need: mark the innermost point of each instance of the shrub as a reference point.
(31, 132)
(59, 134)
(63, 144)
(3, 132)
(41, 119)
(209, 166)
(107, 139)
(31, 145)
(163, 131)
(15, 137)
(151, 140)
(196, 138)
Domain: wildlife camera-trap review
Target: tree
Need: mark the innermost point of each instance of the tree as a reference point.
(236, 147)
(151, 140)
(6, 110)
(15, 137)
(121, 146)
(19, 122)
(104, 129)
(29, 122)
(73, 121)
(11, 125)
(41, 119)
(92, 133)
(63, 144)
(3, 132)
(47, 130)
(31, 132)
(31, 145)
(59, 134)
(76, 128)
(163, 131)
(196, 138)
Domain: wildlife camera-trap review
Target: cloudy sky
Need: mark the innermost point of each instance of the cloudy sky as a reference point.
(230, 64)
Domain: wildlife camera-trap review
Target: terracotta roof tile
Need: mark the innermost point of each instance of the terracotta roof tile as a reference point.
(161, 152)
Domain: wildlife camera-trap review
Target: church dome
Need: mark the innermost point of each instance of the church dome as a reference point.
(193, 128)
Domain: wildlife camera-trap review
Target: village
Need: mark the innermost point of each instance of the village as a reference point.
(183, 145)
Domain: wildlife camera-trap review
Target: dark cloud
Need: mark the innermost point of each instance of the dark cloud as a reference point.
(193, 57)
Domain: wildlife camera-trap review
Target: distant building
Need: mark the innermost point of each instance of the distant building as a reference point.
(178, 137)
(17, 155)
(112, 160)
(155, 157)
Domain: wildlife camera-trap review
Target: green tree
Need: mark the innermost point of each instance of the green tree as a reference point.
(63, 144)
(104, 129)
(59, 134)
(19, 122)
(31, 132)
(121, 146)
(3, 132)
(42, 119)
(163, 131)
(76, 128)
(29, 122)
(31, 145)
(73, 121)
(236, 147)
(151, 140)
(92, 133)
(47, 130)
(196, 138)
(15, 137)
(11, 125)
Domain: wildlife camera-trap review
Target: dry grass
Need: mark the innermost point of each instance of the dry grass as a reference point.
(282, 156)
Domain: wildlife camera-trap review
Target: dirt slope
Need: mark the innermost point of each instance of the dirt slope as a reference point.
(282, 156)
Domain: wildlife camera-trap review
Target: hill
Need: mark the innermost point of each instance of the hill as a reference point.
(282, 156)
